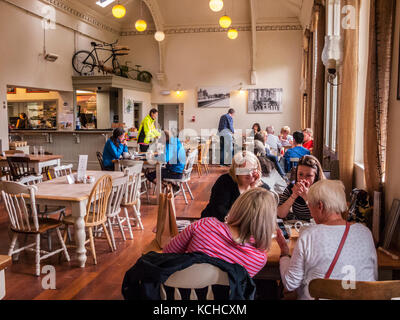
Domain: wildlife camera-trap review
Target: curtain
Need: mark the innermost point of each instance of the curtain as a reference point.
(318, 83)
(377, 96)
(348, 81)
(306, 80)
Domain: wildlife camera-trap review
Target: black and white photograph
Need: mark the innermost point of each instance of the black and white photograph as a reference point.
(265, 101)
(213, 97)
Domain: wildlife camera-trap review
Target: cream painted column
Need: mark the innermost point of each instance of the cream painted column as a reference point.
(3, 118)
(103, 110)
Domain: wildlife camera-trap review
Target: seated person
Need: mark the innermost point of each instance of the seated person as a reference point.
(308, 142)
(256, 128)
(285, 138)
(242, 239)
(244, 174)
(294, 197)
(262, 149)
(272, 140)
(297, 151)
(114, 148)
(174, 156)
(317, 245)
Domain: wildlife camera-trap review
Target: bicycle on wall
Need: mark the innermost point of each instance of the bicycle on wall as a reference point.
(135, 73)
(85, 61)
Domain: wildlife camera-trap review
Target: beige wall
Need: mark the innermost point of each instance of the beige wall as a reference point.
(21, 35)
(393, 146)
(211, 59)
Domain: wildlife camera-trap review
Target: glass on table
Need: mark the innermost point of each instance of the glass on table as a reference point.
(35, 151)
(41, 151)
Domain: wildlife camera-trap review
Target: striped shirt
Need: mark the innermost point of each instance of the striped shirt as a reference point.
(213, 237)
(300, 210)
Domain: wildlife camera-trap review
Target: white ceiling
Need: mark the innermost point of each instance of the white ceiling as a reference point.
(177, 13)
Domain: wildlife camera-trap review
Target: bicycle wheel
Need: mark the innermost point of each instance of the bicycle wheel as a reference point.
(116, 67)
(83, 62)
(144, 76)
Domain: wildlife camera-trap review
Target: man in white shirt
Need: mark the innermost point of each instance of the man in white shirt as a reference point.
(272, 140)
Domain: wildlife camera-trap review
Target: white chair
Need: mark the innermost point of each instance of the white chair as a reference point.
(132, 196)
(197, 276)
(114, 207)
(185, 176)
(143, 180)
(64, 170)
(24, 221)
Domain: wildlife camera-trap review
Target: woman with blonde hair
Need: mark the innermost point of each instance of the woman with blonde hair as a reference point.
(285, 137)
(244, 174)
(318, 245)
(243, 238)
(308, 171)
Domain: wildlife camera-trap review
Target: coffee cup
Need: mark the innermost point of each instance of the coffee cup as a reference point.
(126, 155)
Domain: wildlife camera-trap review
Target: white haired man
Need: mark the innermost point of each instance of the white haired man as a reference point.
(273, 140)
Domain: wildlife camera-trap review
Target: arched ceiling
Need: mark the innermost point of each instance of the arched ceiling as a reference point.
(181, 13)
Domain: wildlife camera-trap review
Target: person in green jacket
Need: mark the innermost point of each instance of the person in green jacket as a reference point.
(147, 130)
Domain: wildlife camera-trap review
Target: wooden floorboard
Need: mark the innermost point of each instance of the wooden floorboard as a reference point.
(102, 281)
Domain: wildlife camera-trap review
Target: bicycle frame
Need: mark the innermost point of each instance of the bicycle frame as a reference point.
(113, 55)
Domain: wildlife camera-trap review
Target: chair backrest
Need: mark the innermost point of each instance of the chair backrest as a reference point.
(126, 163)
(191, 158)
(100, 159)
(31, 180)
(96, 208)
(189, 279)
(363, 290)
(116, 196)
(20, 217)
(134, 182)
(19, 167)
(13, 151)
(64, 170)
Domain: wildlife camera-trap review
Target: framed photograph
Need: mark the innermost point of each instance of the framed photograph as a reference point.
(265, 101)
(391, 223)
(11, 90)
(128, 105)
(213, 97)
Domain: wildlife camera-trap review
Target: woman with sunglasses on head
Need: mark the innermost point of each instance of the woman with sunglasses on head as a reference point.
(308, 171)
(244, 174)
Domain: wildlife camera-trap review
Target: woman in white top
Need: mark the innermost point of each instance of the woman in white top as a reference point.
(317, 245)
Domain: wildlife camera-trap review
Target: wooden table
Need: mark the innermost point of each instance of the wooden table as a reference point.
(36, 162)
(59, 193)
(5, 261)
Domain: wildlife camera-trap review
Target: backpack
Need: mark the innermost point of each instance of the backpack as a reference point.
(360, 209)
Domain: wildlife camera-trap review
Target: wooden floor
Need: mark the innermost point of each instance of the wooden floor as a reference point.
(104, 280)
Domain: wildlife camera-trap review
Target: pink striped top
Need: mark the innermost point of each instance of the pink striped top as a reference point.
(213, 237)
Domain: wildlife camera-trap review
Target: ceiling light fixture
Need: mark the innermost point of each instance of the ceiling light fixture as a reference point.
(178, 90)
(104, 3)
(232, 34)
(118, 11)
(140, 24)
(216, 5)
(159, 36)
(225, 21)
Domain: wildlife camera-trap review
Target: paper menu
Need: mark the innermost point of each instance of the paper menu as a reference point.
(82, 166)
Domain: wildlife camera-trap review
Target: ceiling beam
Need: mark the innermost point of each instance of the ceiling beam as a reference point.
(253, 16)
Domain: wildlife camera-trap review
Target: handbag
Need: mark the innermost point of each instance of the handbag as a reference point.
(166, 218)
(339, 250)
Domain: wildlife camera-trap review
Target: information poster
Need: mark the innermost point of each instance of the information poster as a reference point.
(82, 166)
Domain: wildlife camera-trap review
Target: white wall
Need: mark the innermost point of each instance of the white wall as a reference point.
(21, 35)
(211, 59)
(136, 96)
(393, 146)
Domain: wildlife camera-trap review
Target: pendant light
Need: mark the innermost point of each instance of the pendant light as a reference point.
(140, 24)
(159, 36)
(118, 11)
(216, 5)
(225, 22)
(232, 34)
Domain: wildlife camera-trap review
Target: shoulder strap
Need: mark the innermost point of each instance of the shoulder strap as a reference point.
(339, 250)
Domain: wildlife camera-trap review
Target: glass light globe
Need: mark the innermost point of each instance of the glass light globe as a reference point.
(225, 22)
(232, 34)
(159, 36)
(118, 11)
(141, 25)
(216, 5)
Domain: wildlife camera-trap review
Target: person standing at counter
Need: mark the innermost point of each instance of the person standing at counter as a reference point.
(147, 130)
(22, 122)
(114, 148)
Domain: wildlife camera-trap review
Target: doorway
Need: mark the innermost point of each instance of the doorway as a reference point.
(168, 117)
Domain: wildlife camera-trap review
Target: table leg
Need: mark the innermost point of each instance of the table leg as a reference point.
(158, 179)
(79, 211)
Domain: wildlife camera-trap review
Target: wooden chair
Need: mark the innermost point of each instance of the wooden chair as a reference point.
(203, 157)
(186, 176)
(189, 279)
(114, 207)
(364, 290)
(100, 159)
(61, 171)
(132, 196)
(96, 210)
(27, 222)
(19, 167)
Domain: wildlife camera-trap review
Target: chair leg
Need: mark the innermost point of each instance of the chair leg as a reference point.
(12, 245)
(137, 217)
(147, 190)
(128, 223)
(111, 233)
(66, 233)
(121, 228)
(62, 244)
(92, 244)
(190, 191)
(183, 191)
(108, 237)
(37, 256)
(49, 240)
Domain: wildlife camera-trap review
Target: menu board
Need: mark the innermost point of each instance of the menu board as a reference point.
(82, 166)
